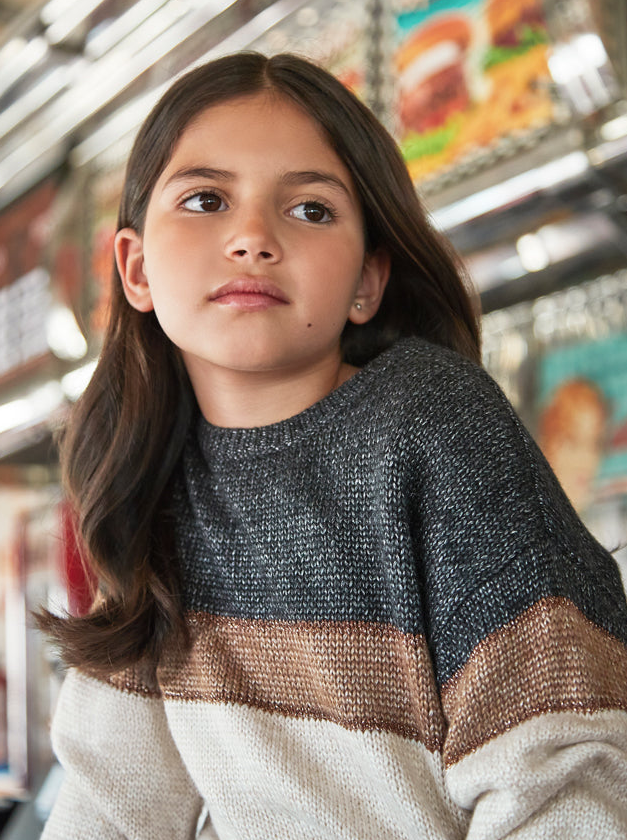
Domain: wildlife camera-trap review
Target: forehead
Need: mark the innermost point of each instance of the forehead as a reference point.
(266, 123)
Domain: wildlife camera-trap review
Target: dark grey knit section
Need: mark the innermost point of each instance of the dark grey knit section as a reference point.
(412, 495)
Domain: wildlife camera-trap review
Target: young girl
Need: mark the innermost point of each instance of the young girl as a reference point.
(341, 594)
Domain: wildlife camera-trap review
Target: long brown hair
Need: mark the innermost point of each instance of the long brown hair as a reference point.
(127, 431)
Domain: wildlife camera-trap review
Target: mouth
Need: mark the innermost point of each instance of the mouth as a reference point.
(249, 293)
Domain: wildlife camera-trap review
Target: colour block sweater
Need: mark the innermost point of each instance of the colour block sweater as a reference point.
(401, 631)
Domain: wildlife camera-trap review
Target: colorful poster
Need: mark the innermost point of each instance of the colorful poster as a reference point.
(469, 73)
(582, 426)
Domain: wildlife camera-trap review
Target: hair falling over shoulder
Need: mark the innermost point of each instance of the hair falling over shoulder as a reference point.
(126, 433)
(118, 452)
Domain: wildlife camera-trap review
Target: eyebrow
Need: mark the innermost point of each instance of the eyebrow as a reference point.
(314, 176)
(198, 172)
(289, 179)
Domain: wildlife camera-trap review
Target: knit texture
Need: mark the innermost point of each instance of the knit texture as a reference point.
(400, 629)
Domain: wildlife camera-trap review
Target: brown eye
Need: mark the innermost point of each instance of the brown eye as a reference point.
(312, 211)
(205, 202)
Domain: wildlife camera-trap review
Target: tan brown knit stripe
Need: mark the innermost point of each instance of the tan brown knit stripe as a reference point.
(359, 675)
(549, 659)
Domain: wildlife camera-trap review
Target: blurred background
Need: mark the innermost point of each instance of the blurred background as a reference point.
(512, 117)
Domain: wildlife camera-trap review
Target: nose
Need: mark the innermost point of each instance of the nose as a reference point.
(253, 238)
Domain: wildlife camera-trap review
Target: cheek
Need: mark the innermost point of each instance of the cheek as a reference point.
(343, 259)
(168, 257)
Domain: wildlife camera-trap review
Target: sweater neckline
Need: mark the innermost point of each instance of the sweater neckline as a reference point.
(235, 442)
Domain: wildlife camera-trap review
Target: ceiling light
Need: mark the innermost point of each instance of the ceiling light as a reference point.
(614, 129)
(511, 191)
(20, 62)
(118, 126)
(12, 49)
(63, 334)
(55, 8)
(252, 30)
(33, 408)
(31, 101)
(532, 252)
(75, 382)
(63, 23)
(591, 47)
(121, 27)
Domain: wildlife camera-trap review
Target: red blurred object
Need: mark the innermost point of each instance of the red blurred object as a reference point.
(80, 579)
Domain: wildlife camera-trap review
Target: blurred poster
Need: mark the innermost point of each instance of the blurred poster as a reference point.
(66, 247)
(105, 190)
(469, 73)
(582, 427)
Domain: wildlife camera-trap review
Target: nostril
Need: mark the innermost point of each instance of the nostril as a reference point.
(245, 252)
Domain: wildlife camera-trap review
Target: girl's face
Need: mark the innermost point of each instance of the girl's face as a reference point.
(252, 254)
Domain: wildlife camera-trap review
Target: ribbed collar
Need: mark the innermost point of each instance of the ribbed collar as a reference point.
(338, 404)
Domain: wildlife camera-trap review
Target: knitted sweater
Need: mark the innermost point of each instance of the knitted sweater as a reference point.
(401, 631)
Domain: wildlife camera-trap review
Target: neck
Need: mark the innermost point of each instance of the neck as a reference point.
(244, 399)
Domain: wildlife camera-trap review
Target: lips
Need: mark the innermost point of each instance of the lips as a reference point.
(249, 290)
(249, 286)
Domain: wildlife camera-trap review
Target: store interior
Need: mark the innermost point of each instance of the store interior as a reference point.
(513, 125)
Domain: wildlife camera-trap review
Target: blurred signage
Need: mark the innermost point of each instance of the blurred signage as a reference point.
(24, 282)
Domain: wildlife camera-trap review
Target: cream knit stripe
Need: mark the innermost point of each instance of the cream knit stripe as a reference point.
(561, 776)
(269, 776)
(76, 816)
(100, 734)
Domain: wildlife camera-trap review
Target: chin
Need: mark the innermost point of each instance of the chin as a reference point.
(248, 360)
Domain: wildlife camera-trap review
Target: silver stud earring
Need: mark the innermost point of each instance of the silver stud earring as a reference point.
(358, 306)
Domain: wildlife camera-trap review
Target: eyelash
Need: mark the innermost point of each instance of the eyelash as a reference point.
(330, 212)
(199, 194)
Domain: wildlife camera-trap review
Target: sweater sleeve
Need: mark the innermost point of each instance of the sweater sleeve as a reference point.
(527, 627)
(124, 778)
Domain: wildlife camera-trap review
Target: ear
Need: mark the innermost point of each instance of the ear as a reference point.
(374, 277)
(129, 256)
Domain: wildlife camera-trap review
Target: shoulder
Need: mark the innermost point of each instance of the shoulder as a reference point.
(491, 521)
(473, 469)
(432, 389)
(467, 451)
